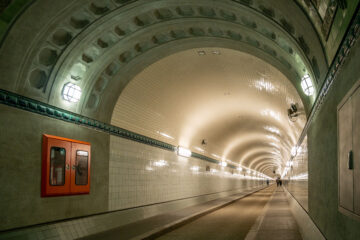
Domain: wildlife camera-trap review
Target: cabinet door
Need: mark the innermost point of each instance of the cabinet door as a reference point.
(80, 168)
(346, 194)
(56, 167)
(356, 149)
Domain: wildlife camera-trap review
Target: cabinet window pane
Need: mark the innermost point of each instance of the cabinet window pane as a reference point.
(81, 164)
(57, 166)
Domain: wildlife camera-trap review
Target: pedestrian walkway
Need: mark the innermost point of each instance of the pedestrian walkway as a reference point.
(264, 214)
(156, 226)
(276, 221)
(231, 222)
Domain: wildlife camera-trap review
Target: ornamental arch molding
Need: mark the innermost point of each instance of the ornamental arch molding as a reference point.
(102, 45)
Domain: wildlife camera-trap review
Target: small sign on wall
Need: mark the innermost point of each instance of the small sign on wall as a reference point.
(65, 166)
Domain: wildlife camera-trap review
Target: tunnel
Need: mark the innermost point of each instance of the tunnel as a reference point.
(166, 119)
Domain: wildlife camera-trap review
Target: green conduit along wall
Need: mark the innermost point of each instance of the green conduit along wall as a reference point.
(31, 105)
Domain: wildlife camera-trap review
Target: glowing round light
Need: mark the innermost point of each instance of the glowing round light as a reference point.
(307, 85)
(223, 163)
(71, 92)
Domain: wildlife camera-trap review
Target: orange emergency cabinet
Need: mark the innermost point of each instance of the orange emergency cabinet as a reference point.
(65, 166)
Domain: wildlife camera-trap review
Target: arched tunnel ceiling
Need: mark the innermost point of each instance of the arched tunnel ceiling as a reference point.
(236, 102)
(101, 45)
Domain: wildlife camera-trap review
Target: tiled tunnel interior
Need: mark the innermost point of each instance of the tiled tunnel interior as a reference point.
(165, 119)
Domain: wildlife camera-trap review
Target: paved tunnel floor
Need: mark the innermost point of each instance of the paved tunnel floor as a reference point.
(263, 215)
(231, 222)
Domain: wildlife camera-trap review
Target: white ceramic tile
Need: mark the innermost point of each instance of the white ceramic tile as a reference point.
(142, 175)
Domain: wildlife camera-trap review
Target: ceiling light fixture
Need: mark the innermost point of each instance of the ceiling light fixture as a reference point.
(160, 163)
(307, 85)
(195, 168)
(71, 92)
(223, 163)
(181, 151)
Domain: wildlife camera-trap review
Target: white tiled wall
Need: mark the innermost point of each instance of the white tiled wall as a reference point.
(297, 177)
(138, 180)
(142, 175)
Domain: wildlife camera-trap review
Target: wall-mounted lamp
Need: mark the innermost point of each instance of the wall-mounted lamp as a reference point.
(307, 85)
(181, 151)
(223, 163)
(71, 92)
(160, 163)
(195, 168)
